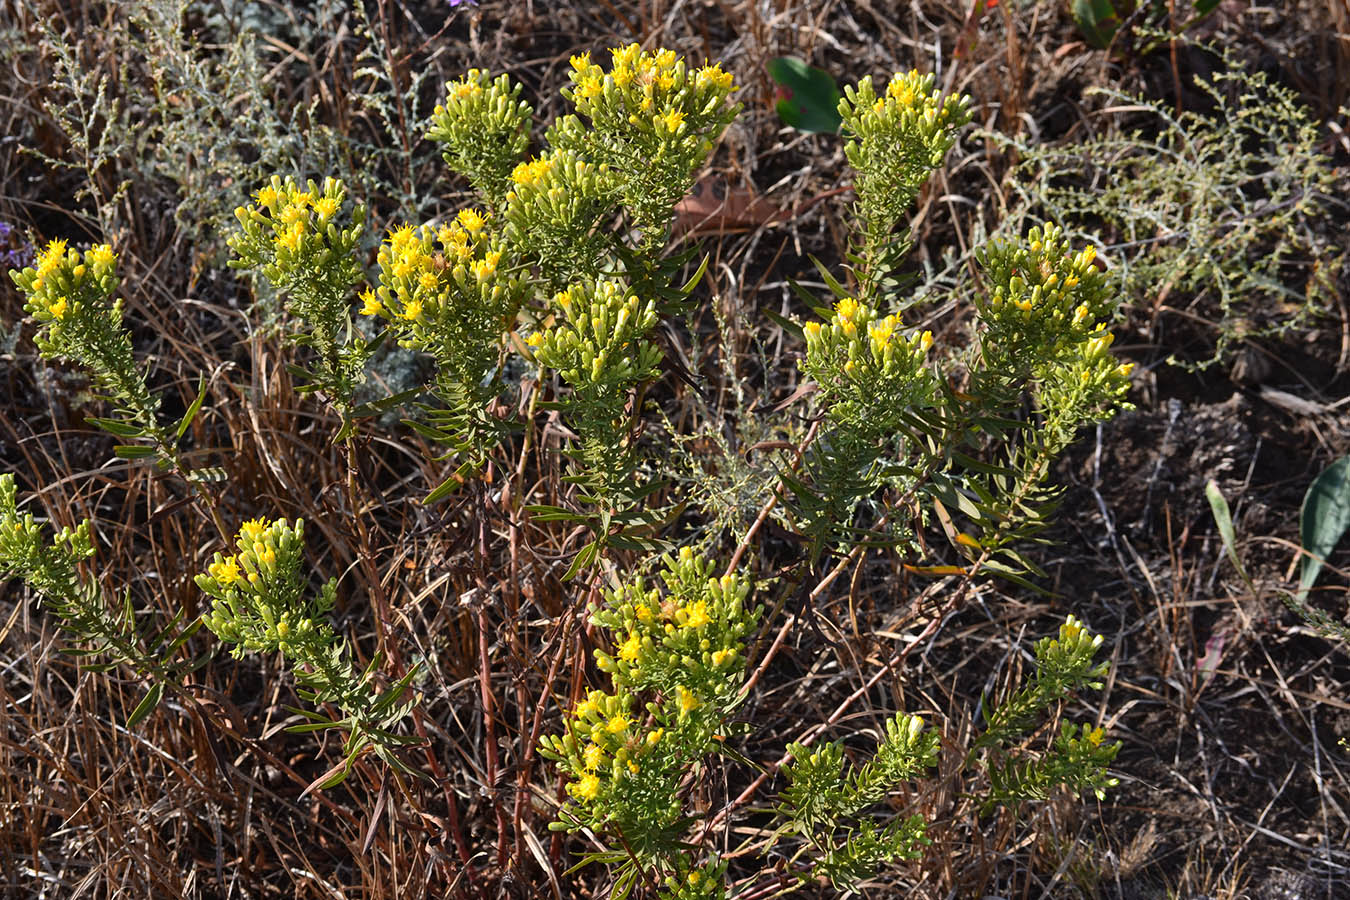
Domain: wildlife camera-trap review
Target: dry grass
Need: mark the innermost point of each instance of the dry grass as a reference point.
(1226, 779)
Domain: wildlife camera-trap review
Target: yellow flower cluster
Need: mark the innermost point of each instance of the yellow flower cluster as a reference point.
(1043, 285)
(63, 282)
(424, 270)
(911, 102)
(529, 173)
(868, 346)
(657, 89)
(258, 542)
(297, 218)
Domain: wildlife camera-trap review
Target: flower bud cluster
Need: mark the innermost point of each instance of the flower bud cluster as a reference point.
(684, 644)
(257, 593)
(867, 366)
(653, 122)
(677, 664)
(1043, 297)
(1068, 657)
(296, 238)
(895, 140)
(64, 285)
(554, 211)
(70, 294)
(484, 128)
(600, 347)
(690, 882)
(292, 233)
(448, 291)
(48, 568)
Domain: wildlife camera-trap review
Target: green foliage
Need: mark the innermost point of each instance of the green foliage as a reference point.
(1323, 520)
(653, 121)
(1219, 207)
(51, 569)
(261, 604)
(677, 664)
(1100, 20)
(809, 97)
(1316, 618)
(485, 129)
(295, 239)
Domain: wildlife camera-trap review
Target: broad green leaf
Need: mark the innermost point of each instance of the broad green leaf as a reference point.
(1224, 520)
(1324, 519)
(1097, 20)
(809, 96)
(147, 704)
(193, 409)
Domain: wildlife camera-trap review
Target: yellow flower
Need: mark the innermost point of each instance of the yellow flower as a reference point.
(428, 281)
(51, 258)
(713, 76)
(325, 208)
(720, 656)
(101, 256)
(925, 341)
(846, 310)
(488, 267)
(370, 305)
(1095, 737)
(292, 237)
(643, 612)
(585, 788)
(673, 120)
(301, 199)
(665, 59)
(253, 529)
(685, 697)
(630, 648)
(590, 706)
(59, 308)
(617, 724)
(400, 237)
(592, 757)
(226, 571)
(413, 311)
(471, 220)
(267, 196)
(697, 615)
(581, 62)
(633, 766)
(655, 737)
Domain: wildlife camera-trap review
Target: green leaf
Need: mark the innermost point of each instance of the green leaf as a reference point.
(147, 704)
(375, 407)
(1205, 7)
(133, 451)
(1223, 518)
(1324, 519)
(544, 513)
(1097, 20)
(193, 409)
(584, 557)
(809, 96)
(117, 427)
